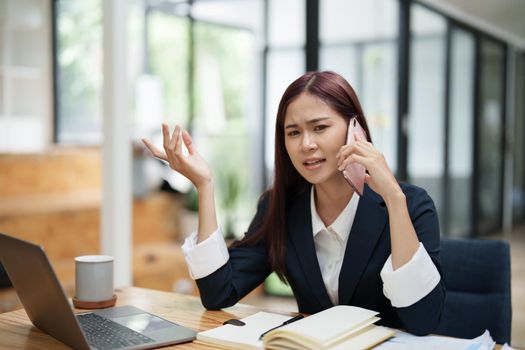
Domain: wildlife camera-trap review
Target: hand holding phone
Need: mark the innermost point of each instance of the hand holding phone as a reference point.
(355, 173)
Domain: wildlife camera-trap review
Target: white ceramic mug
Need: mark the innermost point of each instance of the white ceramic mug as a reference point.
(94, 278)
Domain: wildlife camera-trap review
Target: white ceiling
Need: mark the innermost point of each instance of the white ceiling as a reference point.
(502, 18)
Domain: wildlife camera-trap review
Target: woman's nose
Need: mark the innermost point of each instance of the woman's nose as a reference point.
(308, 143)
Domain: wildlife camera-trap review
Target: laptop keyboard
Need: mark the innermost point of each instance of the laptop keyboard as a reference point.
(106, 334)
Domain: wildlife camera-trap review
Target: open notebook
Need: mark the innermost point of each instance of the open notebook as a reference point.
(340, 327)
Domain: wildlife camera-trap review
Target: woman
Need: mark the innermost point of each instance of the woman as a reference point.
(379, 251)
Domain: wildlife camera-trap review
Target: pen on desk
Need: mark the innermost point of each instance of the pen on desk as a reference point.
(293, 319)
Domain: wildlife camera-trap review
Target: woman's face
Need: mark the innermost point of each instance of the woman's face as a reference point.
(313, 134)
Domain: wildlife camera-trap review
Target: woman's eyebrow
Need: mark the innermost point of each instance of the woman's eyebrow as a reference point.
(311, 121)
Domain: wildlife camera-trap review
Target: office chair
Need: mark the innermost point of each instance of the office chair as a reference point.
(477, 278)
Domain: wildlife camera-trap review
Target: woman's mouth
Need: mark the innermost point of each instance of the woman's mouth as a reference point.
(313, 164)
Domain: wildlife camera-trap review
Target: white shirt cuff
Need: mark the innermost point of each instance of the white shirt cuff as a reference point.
(410, 282)
(206, 257)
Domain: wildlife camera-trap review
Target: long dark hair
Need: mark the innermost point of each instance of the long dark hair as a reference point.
(337, 93)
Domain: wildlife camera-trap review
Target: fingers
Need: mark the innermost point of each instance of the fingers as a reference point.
(173, 144)
(363, 151)
(154, 150)
(363, 148)
(174, 138)
(343, 153)
(347, 151)
(178, 141)
(353, 158)
(165, 136)
(188, 142)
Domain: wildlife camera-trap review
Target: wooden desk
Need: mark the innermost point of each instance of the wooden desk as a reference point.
(17, 331)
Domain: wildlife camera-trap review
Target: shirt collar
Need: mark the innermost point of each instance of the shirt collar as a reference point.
(342, 224)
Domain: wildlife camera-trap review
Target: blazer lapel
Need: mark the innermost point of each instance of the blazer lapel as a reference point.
(301, 236)
(368, 226)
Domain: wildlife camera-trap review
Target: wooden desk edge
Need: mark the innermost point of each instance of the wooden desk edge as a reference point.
(17, 331)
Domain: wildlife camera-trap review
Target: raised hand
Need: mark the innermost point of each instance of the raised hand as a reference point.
(379, 177)
(192, 166)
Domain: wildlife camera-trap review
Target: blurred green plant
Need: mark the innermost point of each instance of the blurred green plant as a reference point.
(230, 187)
(275, 286)
(191, 200)
(168, 52)
(79, 57)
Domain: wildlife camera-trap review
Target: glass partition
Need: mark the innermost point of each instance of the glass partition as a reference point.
(490, 135)
(518, 188)
(286, 23)
(284, 66)
(426, 102)
(461, 132)
(378, 95)
(359, 41)
(346, 21)
(285, 61)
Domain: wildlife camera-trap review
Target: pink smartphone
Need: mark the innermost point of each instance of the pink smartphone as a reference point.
(355, 173)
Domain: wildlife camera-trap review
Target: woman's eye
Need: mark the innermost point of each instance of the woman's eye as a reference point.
(293, 133)
(320, 127)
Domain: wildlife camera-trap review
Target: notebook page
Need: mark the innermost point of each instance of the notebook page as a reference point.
(366, 338)
(331, 323)
(247, 335)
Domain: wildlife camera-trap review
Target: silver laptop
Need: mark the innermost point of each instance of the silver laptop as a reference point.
(46, 304)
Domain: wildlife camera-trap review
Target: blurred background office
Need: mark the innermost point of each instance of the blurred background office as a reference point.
(442, 85)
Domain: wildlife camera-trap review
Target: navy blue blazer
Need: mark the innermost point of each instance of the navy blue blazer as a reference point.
(360, 283)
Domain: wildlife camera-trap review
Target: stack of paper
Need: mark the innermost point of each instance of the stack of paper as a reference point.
(405, 341)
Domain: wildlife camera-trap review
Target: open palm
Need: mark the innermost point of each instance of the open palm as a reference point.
(192, 166)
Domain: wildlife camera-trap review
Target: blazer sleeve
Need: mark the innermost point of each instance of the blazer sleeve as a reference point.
(246, 268)
(423, 317)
